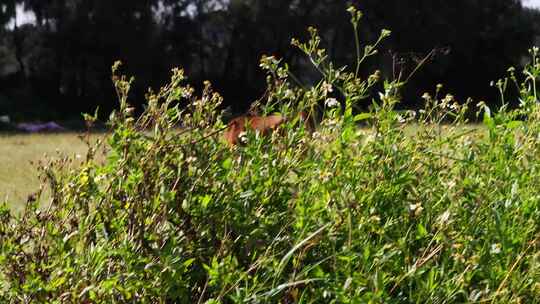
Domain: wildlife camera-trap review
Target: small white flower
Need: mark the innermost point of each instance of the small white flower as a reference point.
(78, 156)
(426, 96)
(414, 207)
(401, 119)
(331, 102)
(243, 137)
(330, 122)
(289, 94)
(495, 248)
(443, 218)
(375, 219)
(515, 188)
(347, 283)
(186, 93)
(370, 138)
(448, 99)
(191, 159)
(325, 176)
(327, 87)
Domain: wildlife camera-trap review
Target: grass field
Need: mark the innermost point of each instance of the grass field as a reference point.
(19, 156)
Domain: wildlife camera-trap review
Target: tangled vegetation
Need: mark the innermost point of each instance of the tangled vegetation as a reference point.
(414, 207)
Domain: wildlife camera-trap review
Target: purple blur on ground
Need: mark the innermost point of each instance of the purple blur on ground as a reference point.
(40, 127)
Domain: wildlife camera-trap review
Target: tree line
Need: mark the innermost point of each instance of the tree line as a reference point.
(59, 65)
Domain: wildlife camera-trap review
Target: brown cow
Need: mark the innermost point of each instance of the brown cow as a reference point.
(262, 124)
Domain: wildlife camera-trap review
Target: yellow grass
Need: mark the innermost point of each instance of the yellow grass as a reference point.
(19, 155)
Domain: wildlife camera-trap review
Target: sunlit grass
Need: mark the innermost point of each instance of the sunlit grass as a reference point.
(19, 157)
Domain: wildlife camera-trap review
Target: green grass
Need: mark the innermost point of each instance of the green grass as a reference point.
(20, 155)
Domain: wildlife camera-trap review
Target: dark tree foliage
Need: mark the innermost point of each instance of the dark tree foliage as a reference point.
(61, 62)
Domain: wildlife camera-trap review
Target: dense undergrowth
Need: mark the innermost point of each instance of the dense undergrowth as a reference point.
(345, 214)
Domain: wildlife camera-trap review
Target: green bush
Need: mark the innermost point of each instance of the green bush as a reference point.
(414, 207)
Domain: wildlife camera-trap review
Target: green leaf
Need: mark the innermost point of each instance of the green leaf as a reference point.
(347, 134)
(188, 262)
(514, 124)
(488, 121)
(205, 200)
(421, 230)
(227, 164)
(362, 116)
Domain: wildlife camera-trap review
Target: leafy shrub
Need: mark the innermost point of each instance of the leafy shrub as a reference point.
(413, 207)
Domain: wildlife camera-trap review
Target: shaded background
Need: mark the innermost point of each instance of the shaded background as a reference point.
(58, 64)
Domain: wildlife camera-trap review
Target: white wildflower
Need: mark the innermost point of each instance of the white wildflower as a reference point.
(187, 93)
(370, 138)
(515, 188)
(316, 135)
(414, 207)
(375, 219)
(495, 248)
(443, 218)
(289, 94)
(243, 137)
(331, 102)
(327, 87)
(447, 100)
(325, 176)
